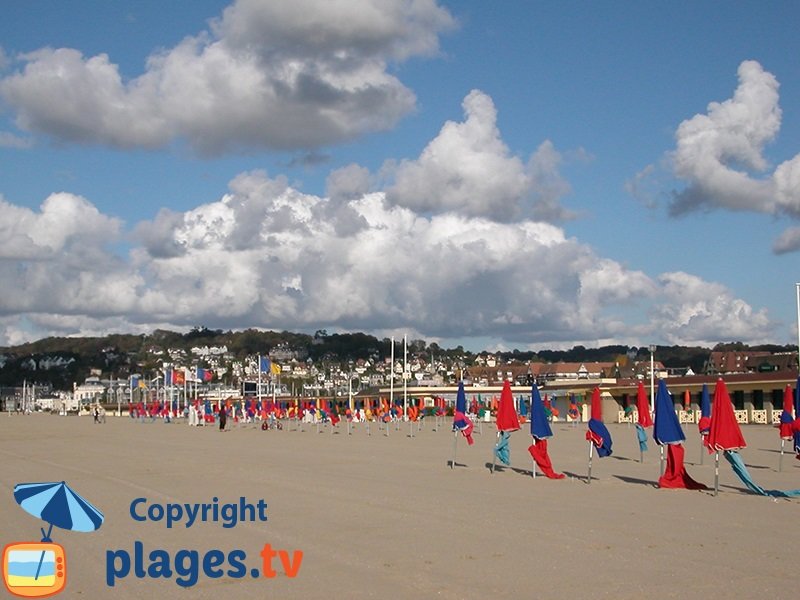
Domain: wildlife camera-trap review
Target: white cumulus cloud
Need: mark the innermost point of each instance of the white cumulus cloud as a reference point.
(720, 154)
(469, 169)
(268, 74)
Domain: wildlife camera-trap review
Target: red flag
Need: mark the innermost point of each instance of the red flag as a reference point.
(724, 433)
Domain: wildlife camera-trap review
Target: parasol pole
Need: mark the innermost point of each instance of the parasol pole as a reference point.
(455, 443)
(591, 455)
(661, 466)
(701, 448)
(716, 472)
(533, 470)
(494, 453)
(780, 460)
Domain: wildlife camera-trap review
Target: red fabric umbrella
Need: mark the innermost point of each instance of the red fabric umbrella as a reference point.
(597, 405)
(675, 475)
(724, 433)
(687, 400)
(643, 406)
(539, 453)
(785, 426)
(507, 419)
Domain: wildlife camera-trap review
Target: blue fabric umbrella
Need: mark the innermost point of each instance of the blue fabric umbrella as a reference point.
(705, 402)
(667, 428)
(523, 410)
(57, 504)
(540, 427)
(737, 464)
(641, 436)
(461, 399)
(501, 450)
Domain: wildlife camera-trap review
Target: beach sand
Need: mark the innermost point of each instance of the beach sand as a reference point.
(385, 516)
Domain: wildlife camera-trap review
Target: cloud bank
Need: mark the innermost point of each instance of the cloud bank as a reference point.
(266, 75)
(267, 255)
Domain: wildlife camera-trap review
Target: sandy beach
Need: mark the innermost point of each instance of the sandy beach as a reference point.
(385, 516)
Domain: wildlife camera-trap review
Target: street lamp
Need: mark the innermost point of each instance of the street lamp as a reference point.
(652, 349)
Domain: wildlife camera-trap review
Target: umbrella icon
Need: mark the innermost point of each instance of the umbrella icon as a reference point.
(57, 504)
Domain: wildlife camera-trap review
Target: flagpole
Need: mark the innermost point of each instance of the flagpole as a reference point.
(405, 375)
(797, 289)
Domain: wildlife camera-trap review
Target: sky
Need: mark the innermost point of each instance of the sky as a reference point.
(516, 175)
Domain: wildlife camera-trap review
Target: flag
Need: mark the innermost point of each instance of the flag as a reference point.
(204, 375)
(178, 377)
(264, 364)
(275, 369)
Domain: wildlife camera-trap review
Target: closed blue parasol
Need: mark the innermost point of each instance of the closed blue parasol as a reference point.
(705, 411)
(667, 428)
(540, 427)
(57, 504)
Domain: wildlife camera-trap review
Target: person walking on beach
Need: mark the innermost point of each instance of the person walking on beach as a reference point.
(223, 417)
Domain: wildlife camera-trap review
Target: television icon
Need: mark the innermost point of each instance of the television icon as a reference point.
(34, 569)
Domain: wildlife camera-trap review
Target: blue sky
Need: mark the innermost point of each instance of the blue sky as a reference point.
(515, 175)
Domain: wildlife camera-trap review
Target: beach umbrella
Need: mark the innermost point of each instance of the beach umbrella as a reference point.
(461, 423)
(796, 424)
(643, 406)
(724, 433)
(667, 428)
(704, 424)
(57, 504)
(687, 400)
(573, 412)
(785, 427)
(644, 419)
(667, 432)
(506, 421)
(523, 409)
(540, 431)
(597, 434)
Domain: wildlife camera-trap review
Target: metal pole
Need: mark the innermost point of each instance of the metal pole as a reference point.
(494, 453)
(780, 460)
(455, 443)
(405, 375)
(661, 466)
(652, 381)
(716, 473)
(797, 289)
(591, 454)
(533, 470)
(391, 384)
